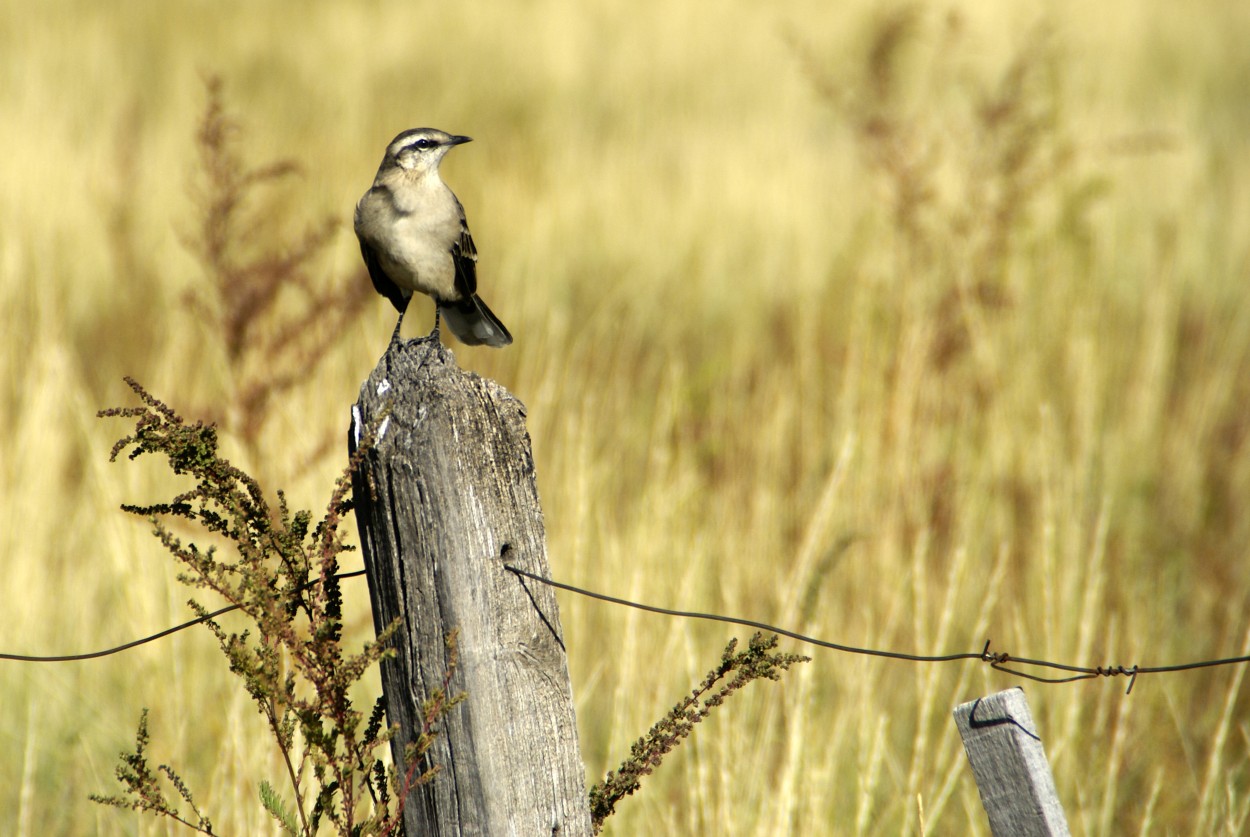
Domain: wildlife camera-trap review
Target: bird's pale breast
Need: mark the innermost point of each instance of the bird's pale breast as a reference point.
(415, 239)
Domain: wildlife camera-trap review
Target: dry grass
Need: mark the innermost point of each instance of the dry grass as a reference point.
(908, 328)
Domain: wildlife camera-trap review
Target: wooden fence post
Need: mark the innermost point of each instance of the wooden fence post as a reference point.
(1010, 766)
(444, 498)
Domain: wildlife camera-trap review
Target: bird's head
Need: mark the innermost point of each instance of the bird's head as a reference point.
(420, 150)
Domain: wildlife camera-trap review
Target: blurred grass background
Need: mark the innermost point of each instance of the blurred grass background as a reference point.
(907, 326)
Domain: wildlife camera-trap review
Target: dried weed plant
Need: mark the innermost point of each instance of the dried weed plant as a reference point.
(736, 670)
(283, 576)
(261, 296)
(967, 191)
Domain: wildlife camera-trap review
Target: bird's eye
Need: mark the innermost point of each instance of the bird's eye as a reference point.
(423, 144)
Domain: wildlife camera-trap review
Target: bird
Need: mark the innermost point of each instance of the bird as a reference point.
(414, 238)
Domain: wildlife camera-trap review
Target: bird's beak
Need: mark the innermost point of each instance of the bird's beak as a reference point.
(459, 140)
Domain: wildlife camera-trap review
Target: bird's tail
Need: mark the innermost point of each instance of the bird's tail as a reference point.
(474, 323)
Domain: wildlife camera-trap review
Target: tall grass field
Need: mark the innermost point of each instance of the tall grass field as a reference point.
(908, 326)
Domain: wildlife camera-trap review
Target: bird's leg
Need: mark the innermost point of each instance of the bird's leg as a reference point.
(437, 314)
(400, 322)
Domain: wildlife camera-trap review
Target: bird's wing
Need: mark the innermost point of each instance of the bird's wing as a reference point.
(381, 281)
(464, 254)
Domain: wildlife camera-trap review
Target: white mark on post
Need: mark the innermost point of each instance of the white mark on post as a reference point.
(356, 425)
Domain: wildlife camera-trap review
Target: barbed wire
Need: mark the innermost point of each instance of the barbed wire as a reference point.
(91, 655)
(997, 660)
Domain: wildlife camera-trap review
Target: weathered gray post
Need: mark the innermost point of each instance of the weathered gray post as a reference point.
(1010, 766)
(444, 498)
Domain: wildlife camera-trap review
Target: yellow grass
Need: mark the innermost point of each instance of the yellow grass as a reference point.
(797, 342)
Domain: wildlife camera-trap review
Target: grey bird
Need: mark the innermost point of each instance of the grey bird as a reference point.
(414, 237)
